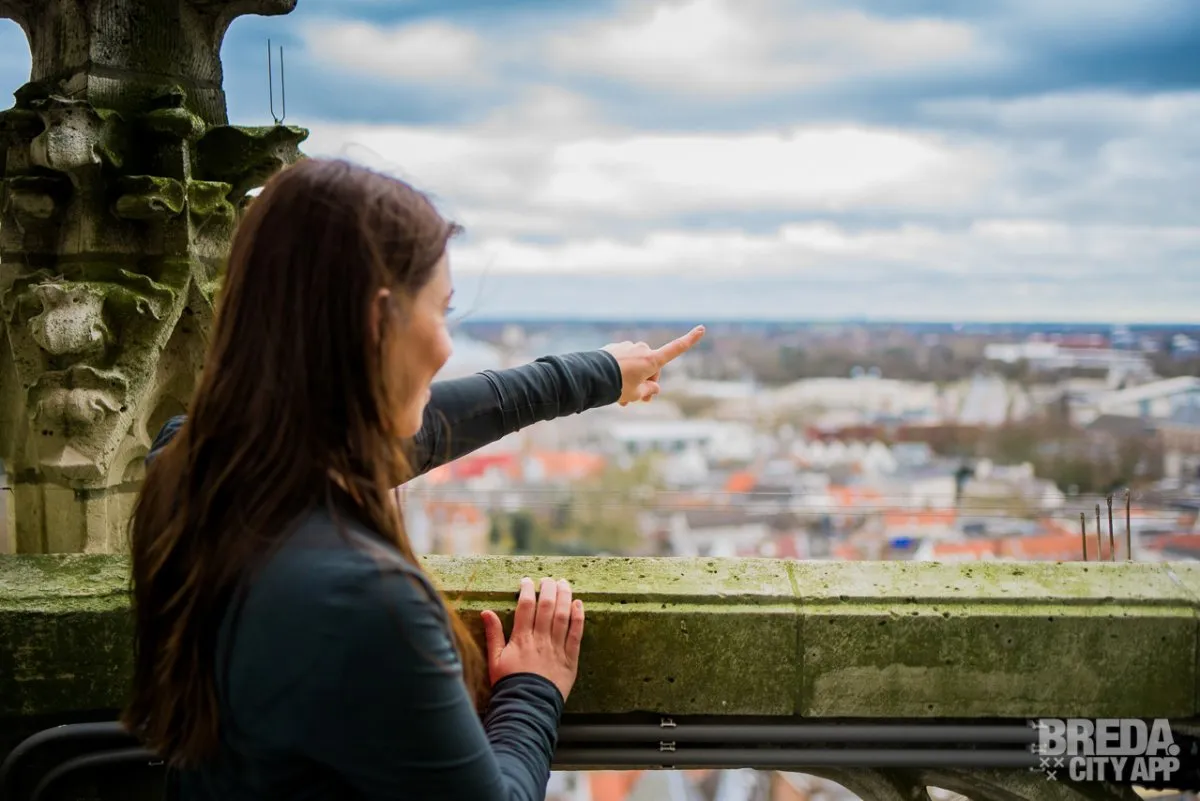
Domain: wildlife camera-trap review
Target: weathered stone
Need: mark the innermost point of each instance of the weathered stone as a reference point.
(119, 53)
(121, 184)
(734, 637)
(904, 639)
(684, 636)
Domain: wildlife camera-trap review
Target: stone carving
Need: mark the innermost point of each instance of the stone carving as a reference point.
(121, 188)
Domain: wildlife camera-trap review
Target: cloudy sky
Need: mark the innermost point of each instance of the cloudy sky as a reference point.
(695, 159)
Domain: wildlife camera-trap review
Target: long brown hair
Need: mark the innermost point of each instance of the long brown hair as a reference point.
(293, 399)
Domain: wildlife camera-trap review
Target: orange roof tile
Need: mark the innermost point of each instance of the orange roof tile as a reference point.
(571, 464)
(975, 548)
(454, 512)
(741, 482)
(848, 552)
(442, 474)
(937, 517)
(1053, 526)
(854, 496)
(612, 785)
(1051, 547)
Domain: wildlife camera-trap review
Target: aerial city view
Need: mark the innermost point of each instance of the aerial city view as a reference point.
(946, 257)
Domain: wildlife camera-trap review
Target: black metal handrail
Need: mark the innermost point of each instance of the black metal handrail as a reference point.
(764, 743)
(124, 757)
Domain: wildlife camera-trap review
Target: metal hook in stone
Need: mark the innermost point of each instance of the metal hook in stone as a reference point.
(271, 85)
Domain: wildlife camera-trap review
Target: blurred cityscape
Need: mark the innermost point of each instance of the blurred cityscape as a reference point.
(947, 443)
(842, 442)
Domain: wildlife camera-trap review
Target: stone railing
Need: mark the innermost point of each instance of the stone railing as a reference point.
(692, 645)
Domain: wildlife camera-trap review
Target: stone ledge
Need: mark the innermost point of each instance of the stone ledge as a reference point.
(735, 637)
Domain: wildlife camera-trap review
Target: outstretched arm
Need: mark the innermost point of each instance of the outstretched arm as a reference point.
(467, 413)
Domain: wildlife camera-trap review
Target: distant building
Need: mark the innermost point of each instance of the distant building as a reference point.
(717, 441)
(1157, 400)
(447, 527)
(1053, 356)
(716, 532)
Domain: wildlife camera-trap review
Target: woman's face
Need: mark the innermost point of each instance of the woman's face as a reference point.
(422, 346)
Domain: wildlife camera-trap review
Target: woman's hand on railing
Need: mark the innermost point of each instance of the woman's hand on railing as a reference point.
(546, 635)
(641, 364)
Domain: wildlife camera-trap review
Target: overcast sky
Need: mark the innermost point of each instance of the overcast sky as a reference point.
(916, 159)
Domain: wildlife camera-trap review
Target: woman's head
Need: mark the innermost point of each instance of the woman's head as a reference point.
(338, 275)
(329, 330)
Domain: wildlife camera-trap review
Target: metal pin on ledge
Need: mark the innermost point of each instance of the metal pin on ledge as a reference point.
(1128, 527)
(1099, 537)
(1083, 533)
(1112, 545)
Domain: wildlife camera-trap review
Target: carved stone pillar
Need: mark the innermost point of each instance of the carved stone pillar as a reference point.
(121, 188)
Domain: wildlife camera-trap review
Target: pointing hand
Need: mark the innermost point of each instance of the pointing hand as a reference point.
(641, 365)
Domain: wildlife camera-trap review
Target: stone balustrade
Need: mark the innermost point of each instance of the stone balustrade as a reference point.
(748, 639)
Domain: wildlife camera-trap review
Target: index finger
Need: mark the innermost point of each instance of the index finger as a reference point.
(676, 348)
(526, 608)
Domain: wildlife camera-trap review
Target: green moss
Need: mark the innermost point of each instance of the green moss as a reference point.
(208, 198)
(148, 197)
(175, 122)
(245, 157)
(752, 636)
(63, 582)
(126, 294)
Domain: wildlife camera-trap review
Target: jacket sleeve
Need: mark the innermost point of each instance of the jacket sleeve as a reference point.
(467, 413)
(393, 719)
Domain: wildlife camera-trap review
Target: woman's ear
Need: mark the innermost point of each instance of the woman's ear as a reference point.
(378, 314)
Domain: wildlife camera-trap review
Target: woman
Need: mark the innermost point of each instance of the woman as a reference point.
(288, 644)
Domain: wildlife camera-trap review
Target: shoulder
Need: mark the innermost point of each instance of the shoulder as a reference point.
(334, 607)
(342, 577)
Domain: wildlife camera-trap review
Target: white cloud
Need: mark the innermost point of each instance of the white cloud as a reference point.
(716, 48)
(418, 52)
(1100, 156)
(809, 168)
(739, 47)
(522, 176)
(991, 249)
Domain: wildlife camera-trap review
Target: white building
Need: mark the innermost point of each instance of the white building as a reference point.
(715, 532)
(715, 440)
(868, 396)
(1052, 356)
(1157, 400)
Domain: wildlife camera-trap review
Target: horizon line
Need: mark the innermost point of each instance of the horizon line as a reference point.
(527, 319)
